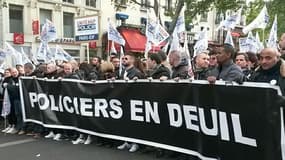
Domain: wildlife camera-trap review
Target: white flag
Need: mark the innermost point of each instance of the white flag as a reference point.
(202, 43)
(61, 54)
(259, 22)
(25, 58)
(13, 54)
(180, 24)
(229, 39)
(175, 44)
(272, 40)
(259, 43)
(231, 21)
(251, 43)
(148, 46)
(114, 35)
(48, 32)
(155, 33)
(243, 46)
(44, 53)
(186, 50)
(113, 49)
(2, 56)
(6, 108)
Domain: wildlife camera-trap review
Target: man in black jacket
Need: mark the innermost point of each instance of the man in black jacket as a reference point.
(130, 71)
(179, 65)
(14, 95)
(201, 66)
(271, 69)
(156, 69)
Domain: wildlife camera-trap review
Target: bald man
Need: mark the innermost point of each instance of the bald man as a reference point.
(271, 69)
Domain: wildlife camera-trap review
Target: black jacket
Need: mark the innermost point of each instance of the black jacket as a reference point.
(131, 73)
(180, 71)
(159, 71)
(277, 72)
(13, 89)
(201, 73)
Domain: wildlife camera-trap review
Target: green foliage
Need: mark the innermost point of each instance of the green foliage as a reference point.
(273, 7)
(195, 7)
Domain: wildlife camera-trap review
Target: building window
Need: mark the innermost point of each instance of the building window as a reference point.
(144, 3)
(143, 21)
(44, 14)
(121, 2)
(68, 1)
(204, 17)
(218, 19)
(68, 25)
(168, 5)
(16, 19)
(91, 3)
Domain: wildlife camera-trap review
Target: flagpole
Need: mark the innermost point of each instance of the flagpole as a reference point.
(108, 58)
(263, 35)
(88, 55)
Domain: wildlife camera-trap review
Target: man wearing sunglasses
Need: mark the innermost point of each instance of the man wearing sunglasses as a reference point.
(130, 71)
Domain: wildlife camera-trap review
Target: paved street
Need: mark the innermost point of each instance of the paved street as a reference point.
(17, 147)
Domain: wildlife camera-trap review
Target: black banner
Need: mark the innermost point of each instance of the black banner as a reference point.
(225, 122)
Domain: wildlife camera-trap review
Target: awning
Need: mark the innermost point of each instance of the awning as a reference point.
(136, 41)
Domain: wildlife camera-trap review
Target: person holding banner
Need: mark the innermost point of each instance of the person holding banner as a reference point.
(227, 70)
(96, 61)
(242, 60)
(253, 60)
(201, 66)
(163, 58)
(156, 69)
(11, 118)
(107, 71)
(213, 63)
(116, 63)
(20, 69)
(178, 64)
(14, 95)
(29, 69)
(52, 73)
(130, 71)
(271, 69)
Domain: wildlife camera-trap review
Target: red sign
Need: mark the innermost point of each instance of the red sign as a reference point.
(35, 27)
(92, 44)
(19, 38)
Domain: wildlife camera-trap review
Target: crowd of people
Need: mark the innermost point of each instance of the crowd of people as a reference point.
(217, 63)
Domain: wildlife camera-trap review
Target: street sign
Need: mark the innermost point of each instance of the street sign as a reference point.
(86, 28)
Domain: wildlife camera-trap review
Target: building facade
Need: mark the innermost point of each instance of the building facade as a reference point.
(26, 17)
